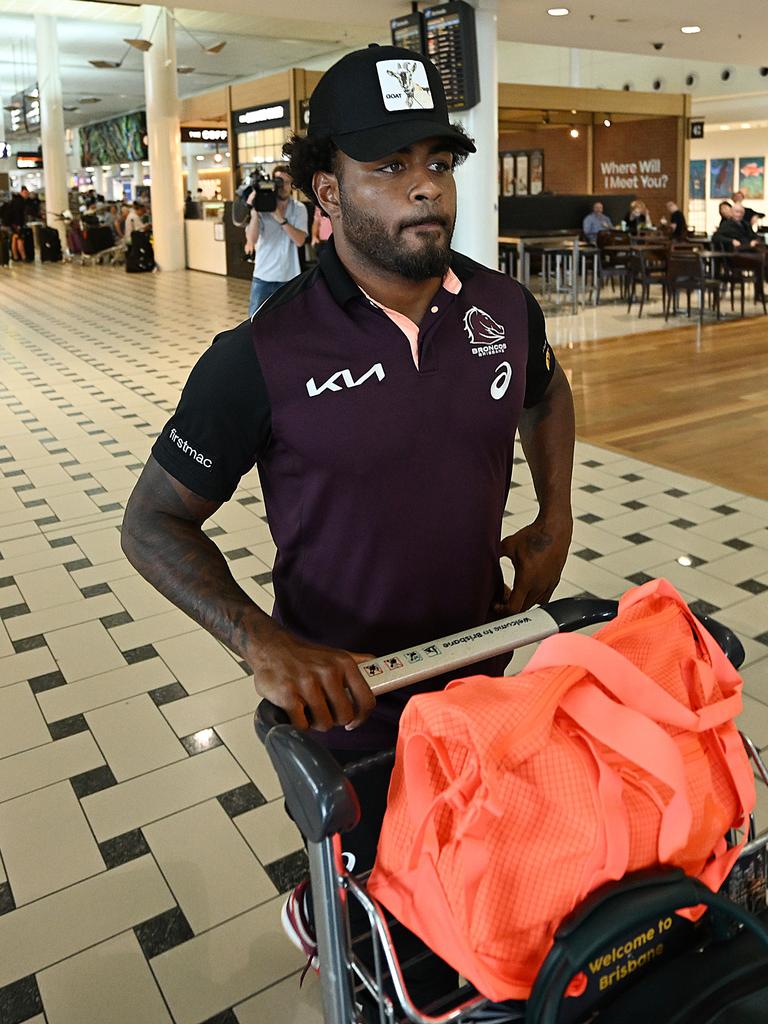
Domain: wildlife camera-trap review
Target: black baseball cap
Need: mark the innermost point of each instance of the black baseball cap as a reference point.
(378, 100)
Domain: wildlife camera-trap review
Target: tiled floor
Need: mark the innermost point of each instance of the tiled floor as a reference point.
(143, 844)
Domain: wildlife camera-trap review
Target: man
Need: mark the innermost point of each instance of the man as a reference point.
(733, 233)
(379, 395)
(595, 222)
(751, 217)
(276, 237)
(134, 221)
(676, 221)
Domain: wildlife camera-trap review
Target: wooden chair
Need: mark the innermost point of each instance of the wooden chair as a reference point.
(613, 262)
(685, 271)
(647, 266)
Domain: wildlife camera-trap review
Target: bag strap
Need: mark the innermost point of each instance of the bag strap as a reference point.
(632, 686)
(647, 745)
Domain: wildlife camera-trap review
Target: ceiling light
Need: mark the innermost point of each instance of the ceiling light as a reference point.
(725, 127)
(185, 69)
(607, 122)
(139, 44)
(199, 157)
(227, 154)
(558, 12)
(218, 157)
(745, 126)
(89, 99)
(685, 560)
(105, 63)
(690, 30)
(216, 48)
(574, 133)
(70, 110)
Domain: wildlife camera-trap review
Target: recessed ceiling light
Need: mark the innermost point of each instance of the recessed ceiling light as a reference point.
(558, 12)
(574, 133)
(725, 127)
(691, 30)
(199, 157)
(745, 125)
(685, 560)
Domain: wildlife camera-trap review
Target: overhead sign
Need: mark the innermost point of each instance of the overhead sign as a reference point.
(273, 115)
(695, 129)
(408, 31)
(304, 114)
(204, 134)
(452, 46)
(29, 161)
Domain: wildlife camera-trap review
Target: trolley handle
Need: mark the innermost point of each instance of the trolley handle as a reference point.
(450, 653)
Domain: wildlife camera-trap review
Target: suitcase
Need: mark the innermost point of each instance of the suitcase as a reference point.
(96, 239)
(50, 245)
(5, 248)
(140, 256)
(75, 239)
(29, 244)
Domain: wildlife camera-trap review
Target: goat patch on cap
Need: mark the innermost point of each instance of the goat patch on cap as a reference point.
(404, 85)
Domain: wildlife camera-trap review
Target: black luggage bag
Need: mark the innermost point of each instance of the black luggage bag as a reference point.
(29, 244)
(140, 256)
(5, 248)
(50, 245)
(96, 239)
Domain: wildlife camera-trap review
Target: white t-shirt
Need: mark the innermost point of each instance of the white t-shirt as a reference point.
(277, 255)
(132, 222)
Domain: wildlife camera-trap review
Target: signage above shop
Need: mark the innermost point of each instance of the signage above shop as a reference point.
(634, 174)
(451, 44)
(695, 129)
(204, 134)
(29, 161)
(274, 115)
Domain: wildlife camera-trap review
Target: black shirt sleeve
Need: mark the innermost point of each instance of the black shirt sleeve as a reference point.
(222, 424)
(541, 358)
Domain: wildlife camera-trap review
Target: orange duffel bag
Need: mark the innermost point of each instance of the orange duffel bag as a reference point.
(512, 799)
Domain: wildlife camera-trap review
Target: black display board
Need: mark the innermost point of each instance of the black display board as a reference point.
(408, 32)
(451, 44)
(253, 119)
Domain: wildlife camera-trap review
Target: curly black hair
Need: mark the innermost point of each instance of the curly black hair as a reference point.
(309, 154)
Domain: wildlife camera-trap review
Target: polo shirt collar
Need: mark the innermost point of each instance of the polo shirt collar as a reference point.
(344, 289)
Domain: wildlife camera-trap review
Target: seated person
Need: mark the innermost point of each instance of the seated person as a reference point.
(134, 221)
(638, 218)
(751, 217)
(595, 222)
(675, 222)
(732, 232)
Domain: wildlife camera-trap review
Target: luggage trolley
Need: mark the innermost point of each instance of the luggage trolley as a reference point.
(363, 981)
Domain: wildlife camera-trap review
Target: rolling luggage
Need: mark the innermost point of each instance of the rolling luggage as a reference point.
(29, 245)
(96, 239)
(5, 248)
(50, 245)
(140, 256)
(75, 239)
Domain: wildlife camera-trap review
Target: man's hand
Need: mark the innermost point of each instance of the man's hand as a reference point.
(318, 687)
(538, 555)
(282, 206)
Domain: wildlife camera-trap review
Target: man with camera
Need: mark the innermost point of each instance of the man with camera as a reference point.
(276, 237)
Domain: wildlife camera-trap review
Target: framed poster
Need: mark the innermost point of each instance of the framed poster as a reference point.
(721, 178)
(536, 172)
(697, 179)
(521, 174)
(752, 176)
(507, 174)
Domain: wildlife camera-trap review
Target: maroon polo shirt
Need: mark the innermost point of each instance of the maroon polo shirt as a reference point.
(384, 482)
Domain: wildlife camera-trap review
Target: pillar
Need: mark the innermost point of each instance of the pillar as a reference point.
(192, 179)
(51, 123)
(477, 223)
(164, 137)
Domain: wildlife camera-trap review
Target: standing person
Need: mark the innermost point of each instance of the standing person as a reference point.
(595, 222)
(379, 395)
(134, 221)
(675, 222)
(276, 238)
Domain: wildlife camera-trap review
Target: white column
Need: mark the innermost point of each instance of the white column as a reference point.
(477, 224)
(192, 179)
(164, 137)
(98, 180)
(51, 123)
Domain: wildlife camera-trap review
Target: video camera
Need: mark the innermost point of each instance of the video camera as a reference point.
(265, 200)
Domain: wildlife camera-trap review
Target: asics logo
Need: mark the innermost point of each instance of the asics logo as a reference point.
(344, 379)
(501, 381)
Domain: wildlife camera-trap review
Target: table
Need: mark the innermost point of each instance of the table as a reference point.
(544, 242)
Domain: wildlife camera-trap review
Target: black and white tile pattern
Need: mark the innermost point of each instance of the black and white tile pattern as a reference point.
(143, 845)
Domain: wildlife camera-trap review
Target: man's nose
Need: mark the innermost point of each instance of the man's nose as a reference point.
(425, 187)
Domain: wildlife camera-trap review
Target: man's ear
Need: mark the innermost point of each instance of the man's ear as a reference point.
(326, 187)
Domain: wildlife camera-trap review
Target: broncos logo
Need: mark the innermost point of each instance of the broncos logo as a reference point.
(481, 328)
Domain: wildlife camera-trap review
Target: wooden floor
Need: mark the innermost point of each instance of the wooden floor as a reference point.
(693, 400)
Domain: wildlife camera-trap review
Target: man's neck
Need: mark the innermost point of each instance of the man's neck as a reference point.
(411, 298)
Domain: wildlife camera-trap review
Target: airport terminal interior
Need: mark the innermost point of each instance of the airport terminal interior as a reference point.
(145, 854)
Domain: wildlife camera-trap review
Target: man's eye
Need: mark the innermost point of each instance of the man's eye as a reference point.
(442, 166)
(391, 167)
